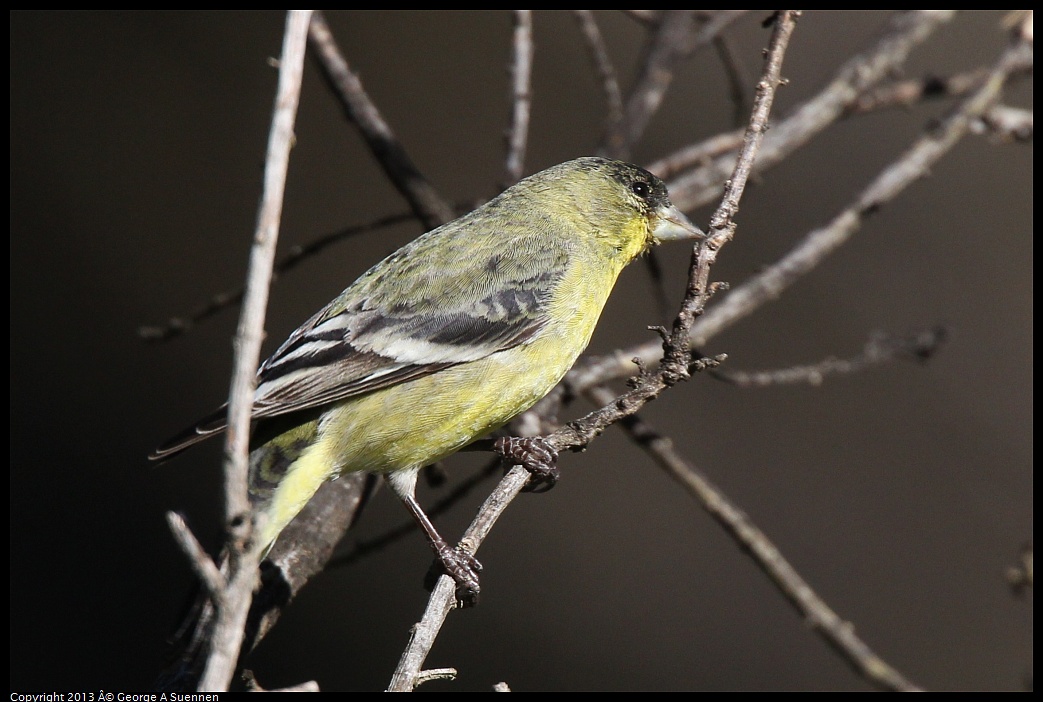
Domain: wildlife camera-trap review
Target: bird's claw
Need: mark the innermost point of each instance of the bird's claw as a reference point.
(463, 568)
(536, 455)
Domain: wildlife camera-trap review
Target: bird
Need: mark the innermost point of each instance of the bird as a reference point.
(445, 341)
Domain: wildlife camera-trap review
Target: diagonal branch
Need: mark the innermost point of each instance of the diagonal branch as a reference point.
(673, 39)
(905, 31)
(665, 49)
(427, 204)
(579, 433)
(177, 326)
(766, 286)
(838, 633)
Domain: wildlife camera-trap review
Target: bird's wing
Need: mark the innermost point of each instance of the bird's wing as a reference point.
(408, 317)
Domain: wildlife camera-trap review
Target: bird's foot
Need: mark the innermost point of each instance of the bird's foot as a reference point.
(463, 568)
(536, 455)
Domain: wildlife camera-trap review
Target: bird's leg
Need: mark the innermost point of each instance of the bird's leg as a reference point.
(460, 565)
(535, 454)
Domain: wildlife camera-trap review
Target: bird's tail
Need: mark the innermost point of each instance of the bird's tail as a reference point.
(211, 425)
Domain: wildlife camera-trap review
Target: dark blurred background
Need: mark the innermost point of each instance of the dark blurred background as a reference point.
(902, 493)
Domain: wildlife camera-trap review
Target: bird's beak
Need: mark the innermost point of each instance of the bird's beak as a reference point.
(674, 226)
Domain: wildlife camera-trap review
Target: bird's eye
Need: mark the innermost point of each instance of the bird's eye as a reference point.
(641, 189)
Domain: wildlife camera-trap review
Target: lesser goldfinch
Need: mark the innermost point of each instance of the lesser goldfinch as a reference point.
(446, 340)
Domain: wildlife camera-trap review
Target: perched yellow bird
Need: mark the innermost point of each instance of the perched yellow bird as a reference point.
(446, 340)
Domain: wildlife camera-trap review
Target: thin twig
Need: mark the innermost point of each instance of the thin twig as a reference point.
(908, 92)
(910, 167)
(734, 71)
(427, 204)
(818, 244)
(838, 633)
(202, 564)
(435, 674)
(1006, 124)
(901, 94)
(673, 40)
(665, 49)
(580, 433)
(595, 43)
(700, 154)
(443, 597)
(177, 326)
(906, 30)
(243, 558)
(521, 96)
(879, 349)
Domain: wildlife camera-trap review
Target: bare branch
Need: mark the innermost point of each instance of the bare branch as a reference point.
(208, 573)
(426, 203)
(595, 44)
(521, 96)
(1005, 123)
(177, 326)
(905, 31)
(817, 245)
(917, 161)
(700, 154)
(673, 40)
(879, 349)
(435, 674)
(908, 92)
(579, 433)
(243, 558)
(899, 94)
(838, 633)
(721, 223)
